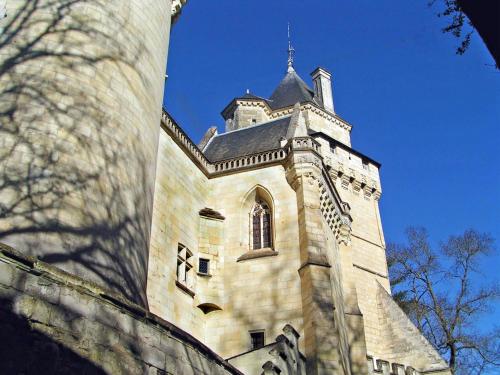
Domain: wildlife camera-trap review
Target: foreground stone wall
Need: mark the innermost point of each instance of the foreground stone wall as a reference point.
(81, 87)
(56, 323)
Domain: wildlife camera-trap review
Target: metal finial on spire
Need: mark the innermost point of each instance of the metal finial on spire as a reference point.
(291, 51)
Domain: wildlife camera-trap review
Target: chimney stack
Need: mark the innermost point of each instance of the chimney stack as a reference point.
(322, 80)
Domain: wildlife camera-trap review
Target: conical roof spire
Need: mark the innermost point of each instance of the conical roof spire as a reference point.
(291, 52)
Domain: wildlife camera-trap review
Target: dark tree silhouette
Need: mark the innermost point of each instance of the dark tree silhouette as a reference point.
(469, 15)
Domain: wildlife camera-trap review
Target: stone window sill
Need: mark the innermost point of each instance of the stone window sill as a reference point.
(184, 288)
(203, 274)
(259, 253)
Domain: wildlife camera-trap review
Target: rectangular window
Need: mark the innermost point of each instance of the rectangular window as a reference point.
(257, 339)
(204, 266)
(184, 266)
(365, 165)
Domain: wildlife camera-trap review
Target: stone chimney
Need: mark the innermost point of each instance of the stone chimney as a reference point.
(323, 88)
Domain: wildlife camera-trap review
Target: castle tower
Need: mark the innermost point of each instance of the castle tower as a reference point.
(81, 96)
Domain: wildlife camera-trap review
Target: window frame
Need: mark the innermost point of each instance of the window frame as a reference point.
(200, 272)
(257, 332)
(265, 232)
(184, 269)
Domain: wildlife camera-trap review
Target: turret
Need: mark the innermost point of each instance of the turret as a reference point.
(244, 111)
(82, 88)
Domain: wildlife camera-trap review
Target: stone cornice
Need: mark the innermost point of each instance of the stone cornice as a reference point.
(328, 116)
(221, 167)
(185, 143)
(281, 112)
(246, 102)
(356, 181)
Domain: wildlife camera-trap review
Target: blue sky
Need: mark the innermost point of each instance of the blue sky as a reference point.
(431, 117)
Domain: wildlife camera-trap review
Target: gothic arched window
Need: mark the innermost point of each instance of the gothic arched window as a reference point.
(261, 225)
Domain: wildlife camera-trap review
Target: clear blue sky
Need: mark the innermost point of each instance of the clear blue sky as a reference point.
(431, 117)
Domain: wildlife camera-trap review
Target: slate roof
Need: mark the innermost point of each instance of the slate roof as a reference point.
(292, 89)
(247, 141)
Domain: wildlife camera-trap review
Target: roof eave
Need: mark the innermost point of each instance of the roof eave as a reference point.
(233, 103)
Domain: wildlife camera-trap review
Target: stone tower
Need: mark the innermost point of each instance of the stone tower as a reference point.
(82, 86)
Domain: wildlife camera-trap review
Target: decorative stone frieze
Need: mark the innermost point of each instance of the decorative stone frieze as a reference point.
(250, 161)
(354, 180)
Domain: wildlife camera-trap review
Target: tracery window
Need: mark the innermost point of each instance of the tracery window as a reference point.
(261, 225)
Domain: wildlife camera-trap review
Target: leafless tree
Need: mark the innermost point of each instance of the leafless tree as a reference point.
(442, 293)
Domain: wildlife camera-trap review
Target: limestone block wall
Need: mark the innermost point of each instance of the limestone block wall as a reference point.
(52, 322)
(367, 247)
(264, 292)
(246, 114)
(316, 121)
(210, 288)
(403, 342)
(181, 192)
(369, 261)
(81, 86)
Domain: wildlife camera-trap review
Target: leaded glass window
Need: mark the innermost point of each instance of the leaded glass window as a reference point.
(261, 225)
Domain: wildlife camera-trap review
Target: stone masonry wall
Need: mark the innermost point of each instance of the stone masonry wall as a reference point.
(81, 83)
(262, 292)
(240, 295)
(181, 192)
(56, 323)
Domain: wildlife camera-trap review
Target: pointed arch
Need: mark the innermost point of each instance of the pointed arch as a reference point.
(258, 208)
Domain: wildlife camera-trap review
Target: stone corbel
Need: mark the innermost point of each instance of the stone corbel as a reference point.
(344, 234)
(356, 186)
(345, 180)
(367, 190)
(312, 179)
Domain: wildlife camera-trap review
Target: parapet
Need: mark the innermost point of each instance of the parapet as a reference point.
(60, 322)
